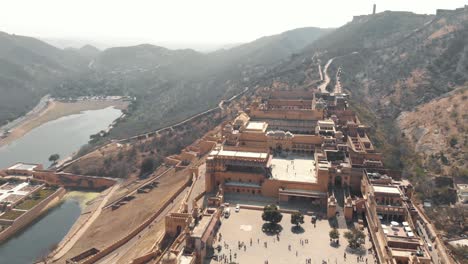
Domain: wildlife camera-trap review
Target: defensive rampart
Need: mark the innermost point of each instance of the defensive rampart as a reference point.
(69, 180)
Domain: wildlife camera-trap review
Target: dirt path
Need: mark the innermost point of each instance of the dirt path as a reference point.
(323, 86)
(338, 89)
(72, 240)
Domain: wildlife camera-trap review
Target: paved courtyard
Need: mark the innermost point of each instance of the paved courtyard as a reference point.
(299, 168)
(292, 247)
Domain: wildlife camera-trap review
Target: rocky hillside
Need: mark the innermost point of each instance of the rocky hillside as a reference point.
(437, 130)
(421, 64)
(426, 63)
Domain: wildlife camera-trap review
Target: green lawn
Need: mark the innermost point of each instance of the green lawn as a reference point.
(11, 215)
(37, 198)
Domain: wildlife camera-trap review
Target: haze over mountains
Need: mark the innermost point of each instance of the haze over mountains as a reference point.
(76, 43)
(32, 68)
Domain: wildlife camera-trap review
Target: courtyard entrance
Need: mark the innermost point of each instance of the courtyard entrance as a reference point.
(338, 181)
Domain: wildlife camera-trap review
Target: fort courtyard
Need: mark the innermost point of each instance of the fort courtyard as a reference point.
(292, 245)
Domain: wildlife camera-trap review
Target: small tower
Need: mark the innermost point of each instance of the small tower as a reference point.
(348, 209)
(195, 210)
(373, 10)
(331, 207)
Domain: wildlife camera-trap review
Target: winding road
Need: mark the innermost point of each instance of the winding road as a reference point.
(323, 86)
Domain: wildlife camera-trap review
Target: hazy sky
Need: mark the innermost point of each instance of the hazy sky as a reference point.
(190, 21)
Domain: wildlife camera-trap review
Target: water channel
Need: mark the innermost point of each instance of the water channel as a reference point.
(63, 136)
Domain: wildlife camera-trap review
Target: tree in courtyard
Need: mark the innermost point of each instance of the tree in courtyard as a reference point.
(271, 214)
(297, 218)
(355, 238)
(54, 157)
(334, 235)
(147, 166)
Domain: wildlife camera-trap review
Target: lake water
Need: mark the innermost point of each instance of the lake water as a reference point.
(37, 239)
(63, 136)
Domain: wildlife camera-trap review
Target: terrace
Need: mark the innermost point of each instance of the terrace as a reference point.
(299, 168)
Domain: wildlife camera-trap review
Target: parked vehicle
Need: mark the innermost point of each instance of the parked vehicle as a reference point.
(227, 212)
(237, 208)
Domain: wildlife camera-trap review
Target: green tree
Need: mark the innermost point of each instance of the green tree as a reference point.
(147, 166)
(272, 214)
(297, 218)
(334, 234)
(453, 141)
(355, 238)
(54, 157)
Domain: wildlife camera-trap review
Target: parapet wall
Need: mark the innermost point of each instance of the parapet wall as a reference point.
(287, 114)
(73, 180)
(292, 95)
(32, 214)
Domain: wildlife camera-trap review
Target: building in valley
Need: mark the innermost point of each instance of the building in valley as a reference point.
(292, 148)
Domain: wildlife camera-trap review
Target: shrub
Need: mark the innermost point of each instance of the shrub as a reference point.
(355, 238)
(453, 141)
(147, 166)
(297, 218)
(272, 214)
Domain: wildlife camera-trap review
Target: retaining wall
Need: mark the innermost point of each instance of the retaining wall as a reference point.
(31, 215)
(73, 180)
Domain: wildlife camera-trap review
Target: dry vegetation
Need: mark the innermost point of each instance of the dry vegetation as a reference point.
(124, 160)
(437, 132)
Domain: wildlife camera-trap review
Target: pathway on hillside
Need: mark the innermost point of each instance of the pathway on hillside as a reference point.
(338, 89)
(323, 86)
(320, 72)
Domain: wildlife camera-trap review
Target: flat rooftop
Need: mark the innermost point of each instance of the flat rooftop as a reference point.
(184, 259)
(294, 168)
(260, 126)
(202, 225)
(239, 154)
(386, 189)
(23, 166)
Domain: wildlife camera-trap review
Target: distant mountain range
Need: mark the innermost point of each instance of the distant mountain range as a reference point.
(31, 68)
